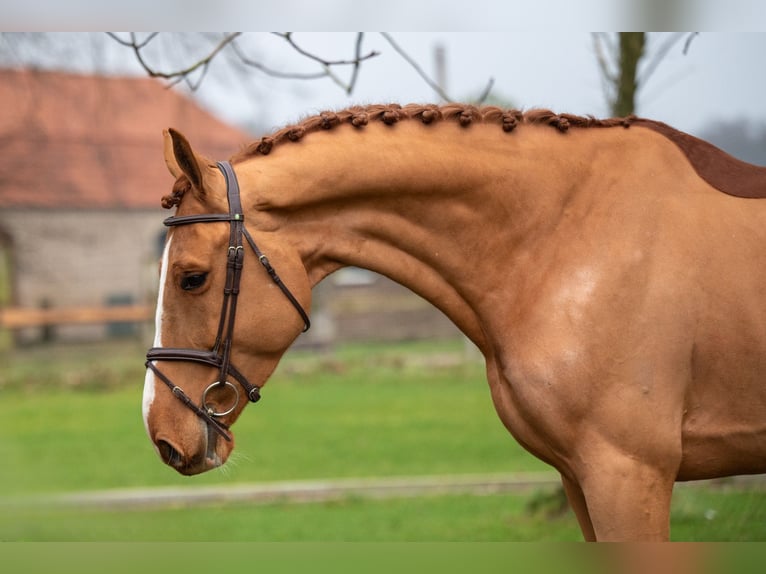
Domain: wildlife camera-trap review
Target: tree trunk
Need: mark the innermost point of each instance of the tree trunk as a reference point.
(631, 51)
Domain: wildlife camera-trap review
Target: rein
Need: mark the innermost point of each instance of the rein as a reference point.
(220, 355)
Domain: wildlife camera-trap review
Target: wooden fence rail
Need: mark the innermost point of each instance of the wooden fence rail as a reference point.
(20, 317)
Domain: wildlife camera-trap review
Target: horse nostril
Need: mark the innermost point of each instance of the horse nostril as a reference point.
(169, 454)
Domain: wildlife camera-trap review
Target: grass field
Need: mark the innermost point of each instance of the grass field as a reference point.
(70, 420)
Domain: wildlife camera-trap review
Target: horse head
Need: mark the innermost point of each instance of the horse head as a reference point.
(224, 317)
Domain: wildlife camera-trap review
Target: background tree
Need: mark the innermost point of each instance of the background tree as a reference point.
(627, 63)
(630, 53)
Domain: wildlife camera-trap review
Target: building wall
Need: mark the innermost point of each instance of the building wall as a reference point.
(370, 307)
(68, 258)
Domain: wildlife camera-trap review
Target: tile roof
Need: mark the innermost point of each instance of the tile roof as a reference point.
(74, 141)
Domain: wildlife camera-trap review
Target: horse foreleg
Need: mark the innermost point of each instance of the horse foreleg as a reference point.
(576, 500)
(628, 499)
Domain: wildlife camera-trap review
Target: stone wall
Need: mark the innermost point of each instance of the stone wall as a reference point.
(83, 258)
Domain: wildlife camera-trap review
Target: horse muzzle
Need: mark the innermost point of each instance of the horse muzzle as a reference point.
(205, 451)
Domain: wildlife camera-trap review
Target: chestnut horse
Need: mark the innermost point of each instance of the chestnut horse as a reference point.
(611, 272)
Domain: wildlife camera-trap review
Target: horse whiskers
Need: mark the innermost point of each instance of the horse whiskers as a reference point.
(237, 457)
(234, 460)
(224, 469)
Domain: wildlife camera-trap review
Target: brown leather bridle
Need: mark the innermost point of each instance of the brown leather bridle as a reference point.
(220, 355)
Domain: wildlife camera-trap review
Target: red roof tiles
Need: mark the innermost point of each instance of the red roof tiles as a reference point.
(72, 141)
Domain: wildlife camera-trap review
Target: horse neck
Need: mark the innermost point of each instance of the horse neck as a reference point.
(426, 206)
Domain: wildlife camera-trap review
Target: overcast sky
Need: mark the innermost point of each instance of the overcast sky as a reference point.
(720, 77)
(540, 54)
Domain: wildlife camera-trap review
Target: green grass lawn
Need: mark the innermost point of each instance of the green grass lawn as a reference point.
(337, 416)
(698, 515)
(70, 420)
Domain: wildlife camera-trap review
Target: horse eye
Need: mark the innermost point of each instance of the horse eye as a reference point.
(191, 282)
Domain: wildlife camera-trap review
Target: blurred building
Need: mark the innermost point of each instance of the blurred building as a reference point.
(80, 186)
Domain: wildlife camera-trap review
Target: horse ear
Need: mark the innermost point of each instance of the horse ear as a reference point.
(182, 160)
(170, 158)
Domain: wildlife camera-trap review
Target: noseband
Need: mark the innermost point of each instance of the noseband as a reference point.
(220, 355)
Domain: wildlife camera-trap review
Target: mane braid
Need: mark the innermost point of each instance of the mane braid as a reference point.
(180, 187)
(464, 114)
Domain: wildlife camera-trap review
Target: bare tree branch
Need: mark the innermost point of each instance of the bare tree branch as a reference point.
(178, 75)
(599, 39)
(193, 74)
(132, 43)
(202, 65)
(357, 63)
(288, 36)
(659, 56)
(485, 93)
(688, 42)
(434, 86)
(271, 72)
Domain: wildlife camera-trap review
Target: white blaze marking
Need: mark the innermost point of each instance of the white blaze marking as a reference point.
(149, 381)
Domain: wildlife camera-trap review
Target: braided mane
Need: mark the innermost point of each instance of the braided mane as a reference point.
(360, 116)
(464, 114)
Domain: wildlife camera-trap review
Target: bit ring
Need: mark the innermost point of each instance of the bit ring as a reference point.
(210, 410)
